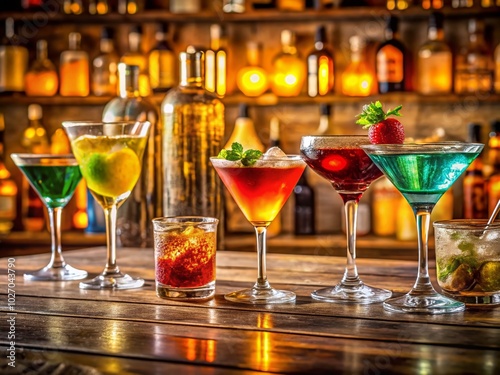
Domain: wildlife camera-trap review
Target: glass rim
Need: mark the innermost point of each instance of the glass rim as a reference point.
(415, 147)
(187, 219)
(336, 136)
(462, 224)
(25, 159)
(75, 123)
(288, 157)
(32, 155)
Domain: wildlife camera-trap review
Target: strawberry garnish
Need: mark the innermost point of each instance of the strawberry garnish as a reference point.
(381, 129)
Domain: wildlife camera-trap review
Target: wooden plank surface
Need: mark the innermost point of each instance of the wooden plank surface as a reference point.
(134, 331)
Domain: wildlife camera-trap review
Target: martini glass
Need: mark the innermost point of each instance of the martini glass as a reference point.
(110, 159)
(260, 191)
(341, 161)
(423, 173)
(54, 178)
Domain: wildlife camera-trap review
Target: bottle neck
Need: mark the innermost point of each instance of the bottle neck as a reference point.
(41, 50)
(128, 78)
(435, 34)
(106, 46)
(134, 42)
(191, 69)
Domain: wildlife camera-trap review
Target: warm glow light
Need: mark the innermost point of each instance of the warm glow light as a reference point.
(221, 73)
(102, 7)
(41, 84)
(264, 344)
(288, 76)
(131, 7)
(252, 81)
(290, 79)
(357, 80)
(324, 75)
(210, 71)
(80, 219)
(75, 78)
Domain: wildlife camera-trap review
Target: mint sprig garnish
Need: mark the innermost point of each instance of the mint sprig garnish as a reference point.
(247, 158)
(373, 113)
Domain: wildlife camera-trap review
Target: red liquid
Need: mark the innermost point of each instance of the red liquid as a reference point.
(349, 169)
(260, 192)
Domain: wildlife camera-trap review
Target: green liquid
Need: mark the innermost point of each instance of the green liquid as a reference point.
(55, 184)
(423, 178)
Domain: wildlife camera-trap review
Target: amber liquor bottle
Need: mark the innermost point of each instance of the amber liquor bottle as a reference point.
(391, 60)
(474, 183)
(494, 157)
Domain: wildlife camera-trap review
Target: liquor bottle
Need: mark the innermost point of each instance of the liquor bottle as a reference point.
(193, 129)
(474, 64)
(434, 63)
(134, 225)
(494, 160)
(432, 4)
(13, 60)
(162, 62)
(391, 60)
(8, 188)
(130, 6)
(304, 209)
(474, 183)
(289, 71)
(34, 140)
(216, 62)
(41, 78)
(73, 6)
(357, 78)
(292, 5)
(74, 69)
(183, 6)
(98, 7)
(134, 56)
(252, 79)
(497, 68)
(105, 65)
(320, 65)
(325, 124)
(244, 132)
(233, 6)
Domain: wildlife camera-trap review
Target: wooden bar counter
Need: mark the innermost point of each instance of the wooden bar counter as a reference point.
(66, 330)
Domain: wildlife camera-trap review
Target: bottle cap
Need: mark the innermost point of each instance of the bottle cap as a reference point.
(320, 34)
(34, 112)
(325, 109)
(74, 40)
(243, 110)
(357, 43)
(436, 20)
(191, 65)
(474, 133)
(495, 126)
(287, 37)
(215, 31)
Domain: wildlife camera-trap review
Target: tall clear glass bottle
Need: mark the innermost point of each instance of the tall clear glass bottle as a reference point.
(13, 61)
(74, 69)
(193, 131)
(105, 65)
(134, 226)
(320, 66)
(41, 78)
(162, 62)
(474, 64)
(434, 63)
(135, 56)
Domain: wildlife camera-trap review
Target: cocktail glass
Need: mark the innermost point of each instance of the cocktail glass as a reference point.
(54, 178)
(260, 191)
(110, 158)
(423, 173)
(341, 161)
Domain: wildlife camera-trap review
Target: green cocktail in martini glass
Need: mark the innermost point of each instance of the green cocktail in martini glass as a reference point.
(54, 178)
(423, 173)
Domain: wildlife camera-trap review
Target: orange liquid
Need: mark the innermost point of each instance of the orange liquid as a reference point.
(260, 192)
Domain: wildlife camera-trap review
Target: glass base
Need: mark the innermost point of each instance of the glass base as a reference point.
(113, 281)
(56, 274)
(471, 298)
(433, 303)
(361, 294)
(261, 296)
(200, 293)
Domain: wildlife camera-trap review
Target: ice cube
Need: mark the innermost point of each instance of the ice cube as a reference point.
(274, 153)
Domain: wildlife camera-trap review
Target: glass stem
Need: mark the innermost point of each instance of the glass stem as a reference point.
(351, 216)
(262, 283)
(56, 260)
(111, 266)
(423, 218)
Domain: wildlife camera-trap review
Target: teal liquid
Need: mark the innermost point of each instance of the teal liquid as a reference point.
(423, 178)
(55, 184)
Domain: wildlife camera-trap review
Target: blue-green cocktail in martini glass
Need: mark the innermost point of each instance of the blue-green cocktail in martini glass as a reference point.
(423, 173)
